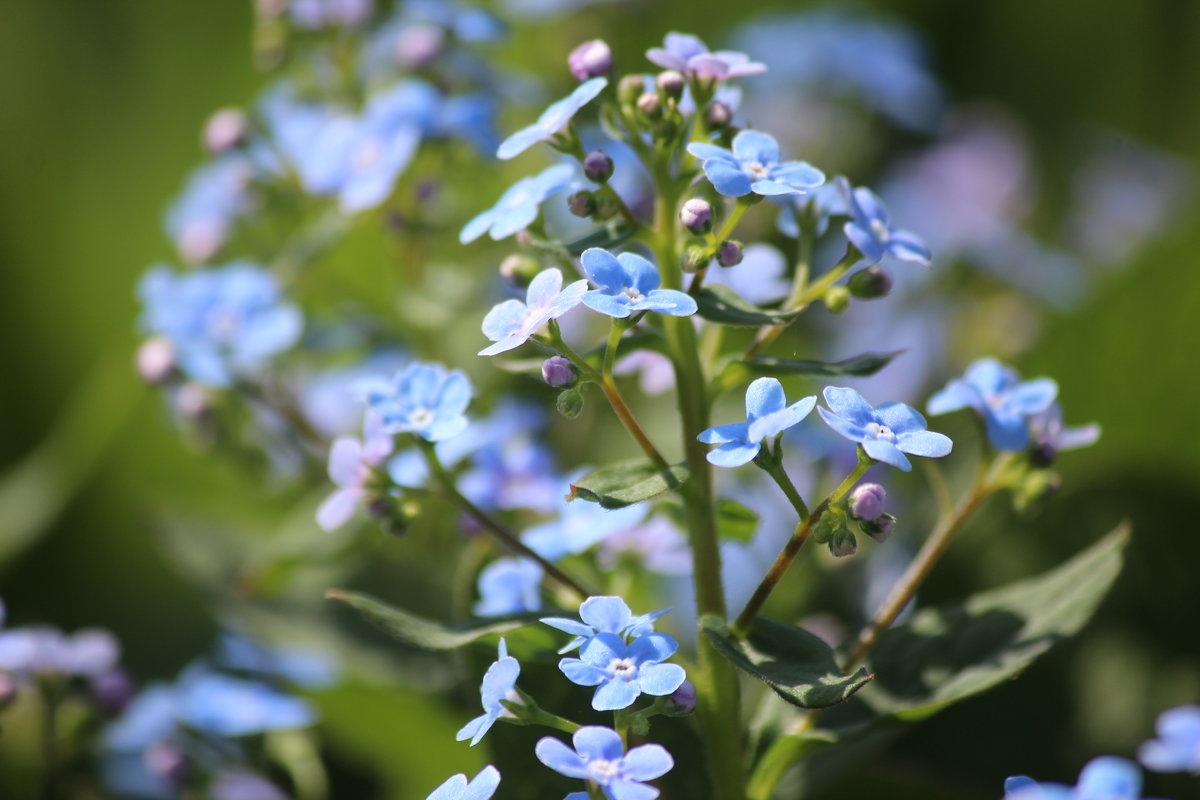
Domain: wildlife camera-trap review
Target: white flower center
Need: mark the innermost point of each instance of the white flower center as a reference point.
(223, 325)
(603, 771)
(421, 417)
(633, 294)
(368, 155)
(880, 230)
(623, 668)
(877, 431)
(757, 169)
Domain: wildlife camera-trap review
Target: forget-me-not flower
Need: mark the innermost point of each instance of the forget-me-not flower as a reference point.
(1177, 748)
(509, 585)
(1047, 430)
(599, 756)
(518, 206)
(621, 672)
(511, 323)
(767, 414)
(628, 285)
(997, 393)
(753, 165)
(217, 704)
(691, 56)
(579, 526)
(823, 202)
(604, 614)
(871, 231)
(216, 194)
(499, 683)
(886, 433)
(552, 119)
(424, 399)
(481, 787)
(352, 466)
(1103, 778)
(221, 321)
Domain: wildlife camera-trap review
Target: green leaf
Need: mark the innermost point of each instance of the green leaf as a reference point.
(801, 668)
(722, 304)
(427, 633)
(607, 237)
(735, 522)
(627, 482)
(948, 653)
(858, 366)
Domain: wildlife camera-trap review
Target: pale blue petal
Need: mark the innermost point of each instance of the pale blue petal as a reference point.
(629, 790)
(849, 404)
(730, 432)
(707, 152)
(475, 729)
(477, 226)
(888, 453)
(653, 647)
(660, 680)
(451, 789)
(869, 206)
(1110, 778)
(338, 508)
(639, 273)
(799, 174)
(771, 188)
(520, 141)
(568, 299)
(504, 320)
(607, 304)
(601, 649)
(571, 626)
(925, 443)
(560, 758)
(764, 396)
(455, 394)
(990, 377)
(900, 417)
(1008, 432)
(647, 762)
(544, 287)
(957, 394)
(1032, 397)
(906, 246)
(511, 219)
(734, 454)
(615, 694)
(605, 614)
(581, 674)
(727, 179)
(756, 146)
(667, 301)
(594, 741)
(865, 241)
(605, 270)
(779, 421)
(483, 785)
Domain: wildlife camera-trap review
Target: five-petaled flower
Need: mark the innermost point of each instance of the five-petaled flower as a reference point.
(1177, 748)
(621, 672)
(886, 433)
(511, 323)
(628, 285)
(552, 119)
(604, 614)
(689, 55)
(499, 683)
(481, 787)
(767, 414)
(518, 206)
(997, 393)
(600, 757)
(352, 467)
(424, 399)
(1103, 778)
(753, 165)
(871, 231)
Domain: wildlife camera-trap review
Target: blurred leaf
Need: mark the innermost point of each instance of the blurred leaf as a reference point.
(792, 661)
(735, 522)
(858, 366)
(627, 482)
(427, 633)
(607, 237)
(722, 304)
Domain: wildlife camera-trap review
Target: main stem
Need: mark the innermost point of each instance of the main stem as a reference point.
(718, 702)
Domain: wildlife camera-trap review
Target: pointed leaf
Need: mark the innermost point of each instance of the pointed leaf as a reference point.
(721, 304)
(858, 366)
(801, 668)
(427, 633)
(627, 482)
(735, 522)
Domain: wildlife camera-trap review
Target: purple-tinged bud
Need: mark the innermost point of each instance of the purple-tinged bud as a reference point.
(717, 115)
(867, 501)
(557, 371)
(630, 89)
(837, 299)
(193, 402)
(671, 83)
(582, 203)
(843, 544)
(879, 528)
(729, 254)
(870, 283)
(1042, 454)
(650, 105)
(419, 46)
(684, 698)
(590, 60)
(166, 761)
(156, 360)
(225, 130)
(8, 689)
(696, 215)
(598, 167)
(111, 690)
(519, 269)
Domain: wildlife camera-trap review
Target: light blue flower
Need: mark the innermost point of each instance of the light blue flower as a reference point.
(316, 14)
(552, 119)
(689, 55)
(499, 683)
(1048, 432)
(509, 586)
(870, 230)
(579, 526)
(424, 399)
(481, 787)
(1177, 748)
(599, 756)
(511, 323)
(604, 614)
(221, 321)
(215, 195)
(1103, 778)
(230, 707)
(752, 165)
(886, 433)
(997, 393)
(149, 717)
(622, 672)
(303, 666)
(767, 414)
(823, 202)
(519, 205)
(628, 285)
(352, 467)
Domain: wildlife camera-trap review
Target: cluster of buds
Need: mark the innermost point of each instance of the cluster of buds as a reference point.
(864, 506)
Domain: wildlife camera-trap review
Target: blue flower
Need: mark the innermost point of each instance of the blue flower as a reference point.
(509, 586)
(552, 119)
(499, 683)
(767, 414)
(511, 323)
(753, 166)
(621, 672)
(200, 219)
(229, 707)
(600, 757)
(303, 666)
(518, 206)
(689, 55)
(579, 526)
(997, 393)
(423, 399)
(1047, 430)
(604, 614)
(823, 202)
(481, 787)
(1177, 748)
(352, 467)
(629, 284)
(870, 230)
(221, 321)
(886, 433)
(1103, 778)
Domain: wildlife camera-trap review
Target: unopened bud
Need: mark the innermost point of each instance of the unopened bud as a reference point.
(582, 203)
(729, 254)
(519, 269)
(717, 115)
(557, 371)
(156, 360)
(870, 283)
(696, 215)
(837, 299)
(650, 105)
(111, 690)
(630, 89)
(695, 258)
(684, 698)
(590, 60)
(831, 523)
(1043, 454)
(225, 130)
(418, 46)
(867, 501)
(843, 544)
(193, 402)
(598, 167)
(671, 83)
(879, 528)
(570, 403)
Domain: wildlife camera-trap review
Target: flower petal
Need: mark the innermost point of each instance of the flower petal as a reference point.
(764, 396)
(667, 301)
(647, 762)
(727, 178)
(729, 432)
(338, 508)
(605, 270)
(660, 680)
(888, 453)
(900, 417)
(560, 758)
(925, 443)
(615, 694)
(596, 741)
(580, 673)
(605, 613)
(750, 145)
(639, 273)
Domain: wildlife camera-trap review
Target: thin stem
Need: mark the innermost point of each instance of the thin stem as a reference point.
(773, 466)
(499, 531)
(790, 550)
(783, 752)
(801, 296)
(735, 216)
(615, 331)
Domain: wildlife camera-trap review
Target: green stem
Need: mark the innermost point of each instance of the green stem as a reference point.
(50, 703)
(615, 331)
(790, 550)
(735, 216)
(499, 531)
(773, 466)
(802, 295)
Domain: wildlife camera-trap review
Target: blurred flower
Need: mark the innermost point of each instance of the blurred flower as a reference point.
(352, 467)
(599, 756)
(657, 545)
(886, 433)
(509, 586)
(230, 707)
(579, 526)
(758, 278)
(1177, 748)
(998, 395)
(511, 323)
(1103, 778)
(481, 787)
(552, 119)
(590, 60)
(622, 672)
(499, 683)
(242, 784)
(689, 55)
(870, 230)
(518, 206)
(303, 666)
(200, 219)
(655, 372)
(752, 165)
(316, 14)
(767, 415)
(629, 285)
(1049, 434)
(424, 399)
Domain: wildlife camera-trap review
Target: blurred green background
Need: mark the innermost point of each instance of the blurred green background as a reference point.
(101, 105)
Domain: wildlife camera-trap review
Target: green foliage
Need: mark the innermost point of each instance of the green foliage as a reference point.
(722, 304)
(858, 366)
(627, 482)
